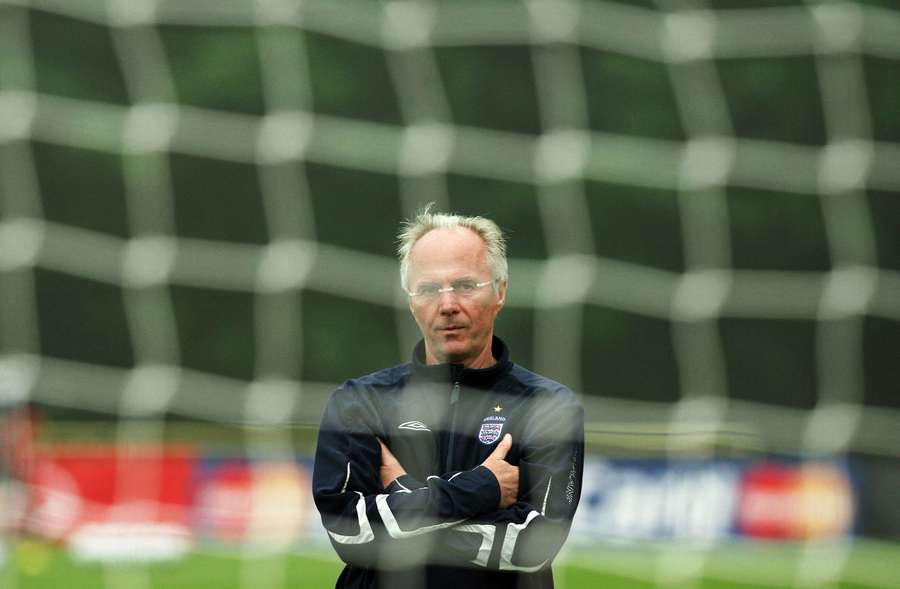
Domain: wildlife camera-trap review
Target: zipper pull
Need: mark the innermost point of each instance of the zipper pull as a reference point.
(454, 395)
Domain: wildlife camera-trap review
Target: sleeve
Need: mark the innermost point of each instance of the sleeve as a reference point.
(527, 536)
(368, 525)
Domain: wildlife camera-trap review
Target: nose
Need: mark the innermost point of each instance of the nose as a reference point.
(448, 303)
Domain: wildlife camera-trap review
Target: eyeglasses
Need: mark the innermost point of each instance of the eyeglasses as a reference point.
(463, 289)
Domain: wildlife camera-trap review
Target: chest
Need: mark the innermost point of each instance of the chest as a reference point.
(434, 430)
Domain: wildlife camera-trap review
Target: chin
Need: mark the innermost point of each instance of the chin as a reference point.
(455, 354)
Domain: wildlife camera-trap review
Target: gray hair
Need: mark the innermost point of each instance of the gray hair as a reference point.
(425, 220)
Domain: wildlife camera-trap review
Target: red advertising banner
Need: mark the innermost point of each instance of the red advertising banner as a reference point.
(796, 501)
(132, 502)
(263, 502)
(154, 502)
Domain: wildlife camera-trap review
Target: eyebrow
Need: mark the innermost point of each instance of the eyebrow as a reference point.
(461, 278)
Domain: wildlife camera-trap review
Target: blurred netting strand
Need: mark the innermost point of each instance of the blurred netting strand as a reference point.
(687, 38)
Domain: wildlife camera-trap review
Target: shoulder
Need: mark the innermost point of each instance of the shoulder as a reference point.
(538, 384)
(384, 379)
(554, 411)
(358, 398)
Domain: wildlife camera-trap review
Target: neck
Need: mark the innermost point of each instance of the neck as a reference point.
(484, 360)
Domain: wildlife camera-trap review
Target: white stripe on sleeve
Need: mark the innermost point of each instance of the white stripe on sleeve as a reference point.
(365, 528)
(393, 528)
(487, 532)
(509, 545)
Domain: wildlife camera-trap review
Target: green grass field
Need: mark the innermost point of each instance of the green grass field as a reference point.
(28, 564)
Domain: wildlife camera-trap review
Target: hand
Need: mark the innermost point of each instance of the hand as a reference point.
(507, 475)
(391, 468)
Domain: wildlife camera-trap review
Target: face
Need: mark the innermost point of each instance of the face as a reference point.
(456, 329)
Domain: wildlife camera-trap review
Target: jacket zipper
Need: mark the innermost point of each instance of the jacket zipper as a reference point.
(454, 401)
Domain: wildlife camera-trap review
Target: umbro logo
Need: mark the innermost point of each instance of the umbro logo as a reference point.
(414, 425)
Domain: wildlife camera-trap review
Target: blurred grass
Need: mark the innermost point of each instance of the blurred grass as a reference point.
(29, 564)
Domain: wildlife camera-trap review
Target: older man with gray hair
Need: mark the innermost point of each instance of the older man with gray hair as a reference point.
(458, 469)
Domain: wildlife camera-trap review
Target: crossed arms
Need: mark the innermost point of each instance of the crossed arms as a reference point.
(495, 516)
(506, 474)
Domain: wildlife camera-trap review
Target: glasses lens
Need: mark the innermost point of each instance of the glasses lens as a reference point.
(428, 290)
(465, 288)
(461, 288)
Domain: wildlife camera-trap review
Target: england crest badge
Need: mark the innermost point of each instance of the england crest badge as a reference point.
(490, 432)
(491, 428)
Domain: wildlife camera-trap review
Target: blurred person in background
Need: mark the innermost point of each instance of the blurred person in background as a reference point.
(19, 425)
(459, 468)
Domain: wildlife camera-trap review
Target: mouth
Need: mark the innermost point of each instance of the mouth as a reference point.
(451, 328)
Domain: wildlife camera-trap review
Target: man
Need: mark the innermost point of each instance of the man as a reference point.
(458, 469)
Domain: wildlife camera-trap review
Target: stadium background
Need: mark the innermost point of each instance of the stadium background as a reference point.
(198, 204)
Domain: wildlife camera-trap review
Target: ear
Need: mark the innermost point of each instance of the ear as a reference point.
(501, 293)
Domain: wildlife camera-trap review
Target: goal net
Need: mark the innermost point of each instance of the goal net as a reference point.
(198, 207)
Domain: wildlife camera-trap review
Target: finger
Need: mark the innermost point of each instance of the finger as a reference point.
(503, 447)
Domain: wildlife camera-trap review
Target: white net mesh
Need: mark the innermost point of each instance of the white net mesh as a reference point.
(701, 166)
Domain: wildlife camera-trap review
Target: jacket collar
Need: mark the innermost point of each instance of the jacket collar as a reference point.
(456, 373)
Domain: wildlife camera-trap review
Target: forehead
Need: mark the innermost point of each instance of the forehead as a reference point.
(448, 253)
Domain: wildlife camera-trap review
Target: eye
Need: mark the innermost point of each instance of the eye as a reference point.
(428, 289)
(464, 286)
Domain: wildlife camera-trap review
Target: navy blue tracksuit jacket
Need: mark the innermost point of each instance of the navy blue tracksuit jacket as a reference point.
(439, 526)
